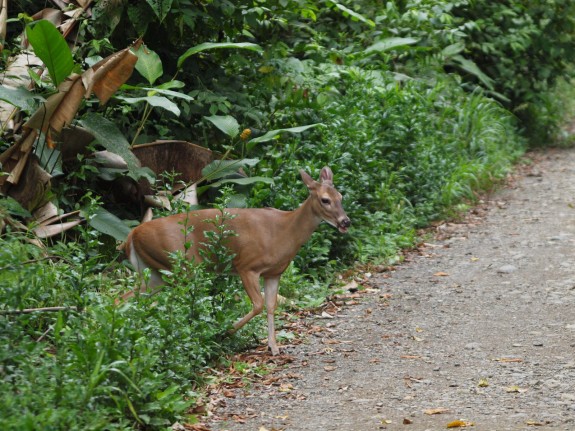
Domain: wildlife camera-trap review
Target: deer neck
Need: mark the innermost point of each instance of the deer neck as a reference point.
(304, 221)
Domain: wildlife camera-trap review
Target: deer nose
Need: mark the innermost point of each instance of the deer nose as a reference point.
(343, 224)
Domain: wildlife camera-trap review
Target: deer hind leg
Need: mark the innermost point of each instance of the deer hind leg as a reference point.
(251, 282)
(271, 287)
(153, 283)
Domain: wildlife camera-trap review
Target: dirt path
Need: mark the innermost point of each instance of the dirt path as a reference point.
(479, 325)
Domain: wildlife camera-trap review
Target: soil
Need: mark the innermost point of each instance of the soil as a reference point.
(475, 328)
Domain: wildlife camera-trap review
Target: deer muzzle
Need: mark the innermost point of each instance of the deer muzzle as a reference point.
(343, 224)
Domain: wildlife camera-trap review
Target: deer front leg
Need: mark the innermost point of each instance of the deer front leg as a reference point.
(271, 286)
(251, 282)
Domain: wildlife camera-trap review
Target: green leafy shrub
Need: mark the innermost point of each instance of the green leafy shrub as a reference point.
(94, 365)
(524, 47)
(403, 155)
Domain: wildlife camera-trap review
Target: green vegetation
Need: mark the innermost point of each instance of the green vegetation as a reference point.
(415, 105)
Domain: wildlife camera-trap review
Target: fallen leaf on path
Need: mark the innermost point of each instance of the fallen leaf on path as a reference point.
(483, 383)
(407, 421)
(535, 424)
(352, 286)
(329, 368)
(330, 341)
(410, 357)
(436, 411)
(508, 360)
(441, 274)
(515, 389)
(286, 387)
(459, 424)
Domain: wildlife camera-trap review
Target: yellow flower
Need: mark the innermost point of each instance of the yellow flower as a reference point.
(245, 134)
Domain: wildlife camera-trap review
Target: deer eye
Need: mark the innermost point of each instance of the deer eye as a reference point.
(325, 201)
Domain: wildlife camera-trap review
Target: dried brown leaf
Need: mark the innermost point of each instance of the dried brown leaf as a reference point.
(106, 76)
(286, 387)
(73, 90)
(228, 394)
(49, 14)
(436, 411)
(55, 229)
(59, 109)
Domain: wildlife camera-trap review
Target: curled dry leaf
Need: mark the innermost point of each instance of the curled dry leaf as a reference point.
(55, 229)
(106, 76)
(441, 274)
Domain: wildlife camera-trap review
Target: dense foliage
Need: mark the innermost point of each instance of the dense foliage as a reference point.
(415, 105)
(525, 48)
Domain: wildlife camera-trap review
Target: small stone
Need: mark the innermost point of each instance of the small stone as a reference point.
(507, 269)
(538, 343)
(552, 383)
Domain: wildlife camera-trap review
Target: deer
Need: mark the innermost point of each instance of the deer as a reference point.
(266, 240)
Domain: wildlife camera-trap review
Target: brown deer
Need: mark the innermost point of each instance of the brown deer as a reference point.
(265, 243)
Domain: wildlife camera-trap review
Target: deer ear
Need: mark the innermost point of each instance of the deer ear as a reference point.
(309, 182)
(326, 176)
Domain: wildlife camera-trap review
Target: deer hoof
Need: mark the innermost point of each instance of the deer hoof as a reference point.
(275, 350)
